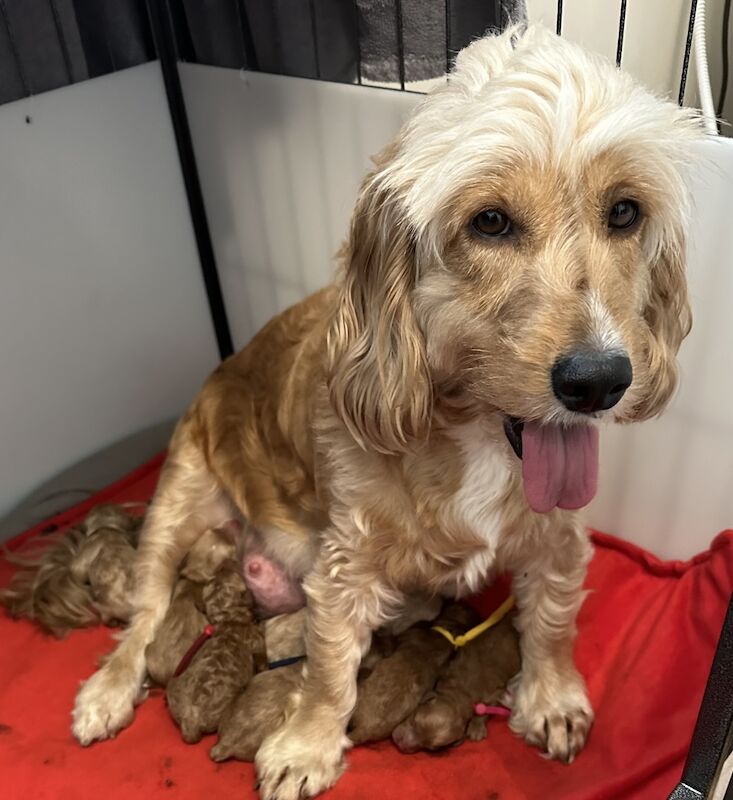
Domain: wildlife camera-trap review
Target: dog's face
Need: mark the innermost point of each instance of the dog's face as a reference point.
(519, 249)
(544, 267)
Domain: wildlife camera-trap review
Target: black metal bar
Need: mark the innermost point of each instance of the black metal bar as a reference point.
(162, 30)
(25, 83)
(712, 739)
(62, 39)
(110, 51)
(621, 28)
(400, 42)
(558, 24)
(357, 31)
(248, 44)
(314, 36)
(688, 48)
(726, 67)
(448, 55)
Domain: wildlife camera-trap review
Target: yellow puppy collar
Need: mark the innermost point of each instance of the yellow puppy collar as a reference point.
(470, 635)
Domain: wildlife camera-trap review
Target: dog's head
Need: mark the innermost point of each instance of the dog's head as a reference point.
(519, 248)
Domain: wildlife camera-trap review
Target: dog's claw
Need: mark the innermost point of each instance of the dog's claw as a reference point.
(559, 728)
(297, 762)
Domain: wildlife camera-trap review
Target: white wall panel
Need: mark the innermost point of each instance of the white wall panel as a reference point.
(104, 327)
(280, 161)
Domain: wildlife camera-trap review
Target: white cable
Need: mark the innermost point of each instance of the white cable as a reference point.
(703, 72)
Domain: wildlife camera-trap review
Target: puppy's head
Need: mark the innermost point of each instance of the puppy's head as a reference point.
(435, 724)
(519, 249)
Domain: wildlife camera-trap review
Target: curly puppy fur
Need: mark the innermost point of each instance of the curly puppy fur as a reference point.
(362, 432)
(225, 664)
(396, 684)
(185, 618)
(78, 577)
(479, 673)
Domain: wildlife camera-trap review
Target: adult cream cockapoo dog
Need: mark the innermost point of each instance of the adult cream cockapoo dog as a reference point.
(514, 275)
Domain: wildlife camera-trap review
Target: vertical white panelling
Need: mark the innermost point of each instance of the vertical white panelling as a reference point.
(654, 38)
(104, 326)
(261, 144)
(280, 161)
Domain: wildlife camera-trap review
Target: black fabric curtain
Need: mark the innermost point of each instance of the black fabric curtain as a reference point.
(45, 44)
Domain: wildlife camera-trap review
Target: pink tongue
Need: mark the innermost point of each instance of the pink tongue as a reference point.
(559, 466)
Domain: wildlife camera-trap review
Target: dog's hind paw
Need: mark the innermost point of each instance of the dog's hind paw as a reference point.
(102, 708)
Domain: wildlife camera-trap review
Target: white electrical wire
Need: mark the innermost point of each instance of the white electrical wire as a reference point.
(703, 72)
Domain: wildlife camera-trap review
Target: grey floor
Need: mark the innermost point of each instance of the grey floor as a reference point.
(86, 477)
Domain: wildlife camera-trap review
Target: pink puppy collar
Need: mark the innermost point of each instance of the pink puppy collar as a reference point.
(482, 710)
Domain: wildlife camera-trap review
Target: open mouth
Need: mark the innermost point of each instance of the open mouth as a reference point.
(513, 427)
(559, 462)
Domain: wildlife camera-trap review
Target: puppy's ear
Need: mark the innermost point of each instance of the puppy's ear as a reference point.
(378, 378)
(669, 318)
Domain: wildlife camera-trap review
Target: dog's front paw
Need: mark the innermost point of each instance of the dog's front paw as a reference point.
(300, 759)
(553, 714)
(103, 707)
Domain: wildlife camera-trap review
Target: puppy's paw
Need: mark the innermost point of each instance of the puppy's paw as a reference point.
(103, 707)
(301, 759)
(476, 730)
(554, 715)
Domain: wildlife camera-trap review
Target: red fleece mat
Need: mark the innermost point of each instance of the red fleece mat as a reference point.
(648, 632)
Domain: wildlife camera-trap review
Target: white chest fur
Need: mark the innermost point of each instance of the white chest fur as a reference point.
(479, 503)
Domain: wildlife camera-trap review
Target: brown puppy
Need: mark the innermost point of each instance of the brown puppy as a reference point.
(479, 672)
(225, 664)
(263, 704)
(396, 685)
(185, 620)
(256, 712)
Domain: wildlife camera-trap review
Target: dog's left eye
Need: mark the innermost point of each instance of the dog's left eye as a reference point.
(623, 215)
(492, 222)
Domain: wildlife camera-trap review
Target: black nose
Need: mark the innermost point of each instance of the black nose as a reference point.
(588, 381)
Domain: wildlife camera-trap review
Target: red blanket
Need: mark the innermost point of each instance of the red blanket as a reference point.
(648, 632)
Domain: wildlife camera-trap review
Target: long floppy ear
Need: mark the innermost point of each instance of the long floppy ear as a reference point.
(669, 318)
(378, 378)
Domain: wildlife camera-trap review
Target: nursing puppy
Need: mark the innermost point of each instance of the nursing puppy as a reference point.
(221, 669)
(514, 274)
(397, 683)
(185, 619)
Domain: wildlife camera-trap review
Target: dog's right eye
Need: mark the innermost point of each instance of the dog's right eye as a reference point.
(492, 222)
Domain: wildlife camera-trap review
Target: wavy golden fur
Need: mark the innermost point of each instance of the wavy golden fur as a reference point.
(67, 582)
(362, 431)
